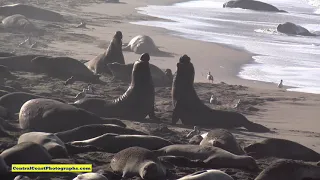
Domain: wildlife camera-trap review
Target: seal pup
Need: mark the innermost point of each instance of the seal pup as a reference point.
(280, 85)
(135, 104)
(207, 175)
(293, 29)
(137, 161)
(189, 108)
(98, 65)
(210, 77)
(281, 148)
(47, 115)
(51, 142)
(141, 44)
(289, 170)
(94, 130)
(213, 157)
(90, 176)
(26, 153)
(223, 139)
(252, 5)
(120, 142)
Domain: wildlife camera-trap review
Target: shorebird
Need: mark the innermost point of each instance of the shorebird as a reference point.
(194, 132)
(280, 85)
(210, 77)
(213, 100)
(71, 80)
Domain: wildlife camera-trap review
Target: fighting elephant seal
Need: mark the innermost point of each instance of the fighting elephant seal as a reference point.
(189, 108)
(47, 115)
(123, 72)
(26, 153)
(14, 101)
(64, 67)
(207, 175)
(51, 142)
(90, 176)
(93, 130)
(31, 12)
(120, 142)
(252, 5)
(135, 104)
(141, 44)
(137, 161)
(281, 148)
(289, 170)
(223, 139)
(293, 29)
(98, 65)
(213, 157)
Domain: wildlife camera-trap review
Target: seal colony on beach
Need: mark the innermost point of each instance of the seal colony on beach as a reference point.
(190, 109)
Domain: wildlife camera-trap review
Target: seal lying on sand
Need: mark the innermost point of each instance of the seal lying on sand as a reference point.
(192, 111)
(93, 130)
(51, 142)
(90, 176)
(18, 22)
(120, 142)
(135, 104)
(293, 29)
(214, 157)
(47, 115)
(289, 170)
(223, 139)
(26, 153)
(135, 161)
(123, 72)
(64, 67)
(31, 12)
(282, 148)
(207, 175)
(141, 44)
(14, 101)
(113, 54)
(251, 4)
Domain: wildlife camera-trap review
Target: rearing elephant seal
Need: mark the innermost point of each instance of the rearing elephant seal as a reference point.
(113, 54)
(290, 28)
(223, 139)
(135, 104)
(135, 161)
(189, 108)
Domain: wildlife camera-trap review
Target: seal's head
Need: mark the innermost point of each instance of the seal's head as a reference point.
(288, 28)
(145, 57)
(118, 35)
(141, 71)
(185, 70)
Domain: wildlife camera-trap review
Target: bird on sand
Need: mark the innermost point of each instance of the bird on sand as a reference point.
(71, 80)
(280, 85)
(213, 99)
(210, 77)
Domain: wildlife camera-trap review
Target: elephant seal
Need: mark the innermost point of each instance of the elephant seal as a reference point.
(181, 161)
(169, 74)
(98, 65)
(26, 153)
(64, 67)
(120, 142)
(252, 5)
(207, 175)
(137, 161)
(14, 101)
(47, 115)
(196, 139)
(135, 104)
(282, 148)
(90, 176)
(18, 22)
(19, 63)
(141, 44)
(93, 130)
(189, 108)
(293, 29)
(223, 139)
(289, 170)
(51, 142)
(213, 157)
(31, 12)
(123, 72)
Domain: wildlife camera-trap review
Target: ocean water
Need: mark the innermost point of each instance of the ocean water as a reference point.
(295, 59)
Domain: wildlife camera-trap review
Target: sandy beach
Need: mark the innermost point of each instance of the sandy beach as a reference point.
(290, 115)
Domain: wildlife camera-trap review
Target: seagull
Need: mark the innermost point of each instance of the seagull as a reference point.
(194, 132)
(213, 100)
(210, 77)
(280, 85)
(71, 80)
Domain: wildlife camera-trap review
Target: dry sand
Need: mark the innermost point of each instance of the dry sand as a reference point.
(290, 115)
